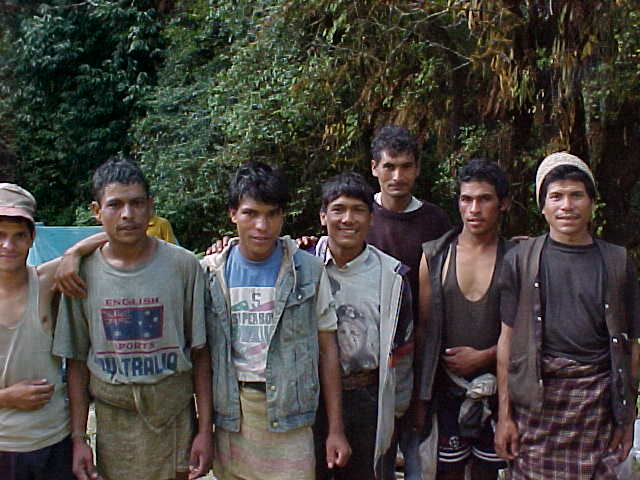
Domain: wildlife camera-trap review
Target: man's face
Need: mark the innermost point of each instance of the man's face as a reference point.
(480, 207)
(567, 209)
(259, 226)
(396, 175)
(15, 242)
(347, 220)
(124, 211)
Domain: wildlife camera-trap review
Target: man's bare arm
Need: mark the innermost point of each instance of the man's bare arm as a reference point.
(506, 436)
(464, 361)
(202, 446)
(337, 448)
(83, 466)
(62, 273)
(424, 304)
(419, 329)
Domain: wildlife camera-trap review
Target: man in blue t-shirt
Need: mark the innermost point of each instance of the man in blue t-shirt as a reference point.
(273, 341)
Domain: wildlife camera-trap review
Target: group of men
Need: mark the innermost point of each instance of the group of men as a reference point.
(392, 331)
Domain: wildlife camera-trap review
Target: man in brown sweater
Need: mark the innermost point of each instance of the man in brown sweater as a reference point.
(401, 224)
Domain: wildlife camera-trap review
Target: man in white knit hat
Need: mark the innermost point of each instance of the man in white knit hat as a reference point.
(566, 355)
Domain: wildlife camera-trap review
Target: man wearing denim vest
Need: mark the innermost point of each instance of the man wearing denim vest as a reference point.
(273, 341)
(566, 354)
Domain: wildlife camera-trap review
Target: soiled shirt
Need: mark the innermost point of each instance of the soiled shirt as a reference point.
(137, 325)
(356, 290)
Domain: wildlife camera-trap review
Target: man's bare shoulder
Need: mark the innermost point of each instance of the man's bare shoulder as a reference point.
(47, 273)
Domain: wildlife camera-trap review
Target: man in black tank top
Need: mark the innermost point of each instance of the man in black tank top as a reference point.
(459, 302)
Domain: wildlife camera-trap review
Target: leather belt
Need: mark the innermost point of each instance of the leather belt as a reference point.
(360, 380)
(260, 386)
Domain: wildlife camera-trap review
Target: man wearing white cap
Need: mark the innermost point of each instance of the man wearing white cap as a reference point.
(566, 356)
(34, 417)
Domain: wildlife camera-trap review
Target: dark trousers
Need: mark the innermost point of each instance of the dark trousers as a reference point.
(360, 413)
(49, 463)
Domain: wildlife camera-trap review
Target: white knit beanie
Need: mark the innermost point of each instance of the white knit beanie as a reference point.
(555, 160)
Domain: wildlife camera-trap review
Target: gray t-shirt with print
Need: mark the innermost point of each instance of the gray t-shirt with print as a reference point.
(356, 290)
(137, 325)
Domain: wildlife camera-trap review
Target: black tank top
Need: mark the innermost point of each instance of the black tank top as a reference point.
(473, 324)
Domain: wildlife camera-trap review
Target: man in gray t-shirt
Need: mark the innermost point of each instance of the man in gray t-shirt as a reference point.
(138, 341)
(375, 328)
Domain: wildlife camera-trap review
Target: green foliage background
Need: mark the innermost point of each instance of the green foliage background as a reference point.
(193, 88)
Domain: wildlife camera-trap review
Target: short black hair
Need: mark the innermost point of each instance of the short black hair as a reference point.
(566, 172)
(394, 140)
(348, 184)
(260, 182)
(117, 170)
(22, 220)
(484, 170)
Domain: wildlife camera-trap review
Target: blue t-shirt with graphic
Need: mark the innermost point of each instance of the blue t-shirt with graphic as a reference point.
(252, 294)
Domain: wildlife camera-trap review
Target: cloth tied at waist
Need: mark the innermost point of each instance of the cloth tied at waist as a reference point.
(360, 380)
(157, 403)
(475, 409)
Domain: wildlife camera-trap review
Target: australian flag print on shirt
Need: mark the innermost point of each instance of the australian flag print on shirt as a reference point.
(138, 323)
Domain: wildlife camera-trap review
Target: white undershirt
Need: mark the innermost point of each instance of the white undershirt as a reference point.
(414, 204)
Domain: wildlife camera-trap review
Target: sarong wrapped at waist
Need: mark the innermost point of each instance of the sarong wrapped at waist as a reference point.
(568, 439)
(157, 403)
(255, 453)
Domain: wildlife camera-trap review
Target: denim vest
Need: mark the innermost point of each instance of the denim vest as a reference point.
(292, 380)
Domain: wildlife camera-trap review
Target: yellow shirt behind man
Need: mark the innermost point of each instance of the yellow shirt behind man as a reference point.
(160, 227)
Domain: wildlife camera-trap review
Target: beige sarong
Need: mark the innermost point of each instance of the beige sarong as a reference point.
(144, 432)
(257, 453)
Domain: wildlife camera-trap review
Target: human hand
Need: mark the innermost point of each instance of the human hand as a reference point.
(201, 455)
(218, 245)
(338, 450)
(83, 466)
(506, 439)
(464, 361)
(67, 279)
(27, 394)
(621, 440)
(306, 242)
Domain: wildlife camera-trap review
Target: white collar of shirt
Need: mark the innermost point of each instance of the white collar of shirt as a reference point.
(414, 204)
(356, 262)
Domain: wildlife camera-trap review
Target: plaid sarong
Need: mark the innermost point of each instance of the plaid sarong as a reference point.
(568, 438)
(255, 453)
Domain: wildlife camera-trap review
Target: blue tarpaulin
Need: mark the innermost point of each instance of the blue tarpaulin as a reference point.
(51, 242)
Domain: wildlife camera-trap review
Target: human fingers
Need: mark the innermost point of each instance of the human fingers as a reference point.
(343, 456)
(72, 285)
